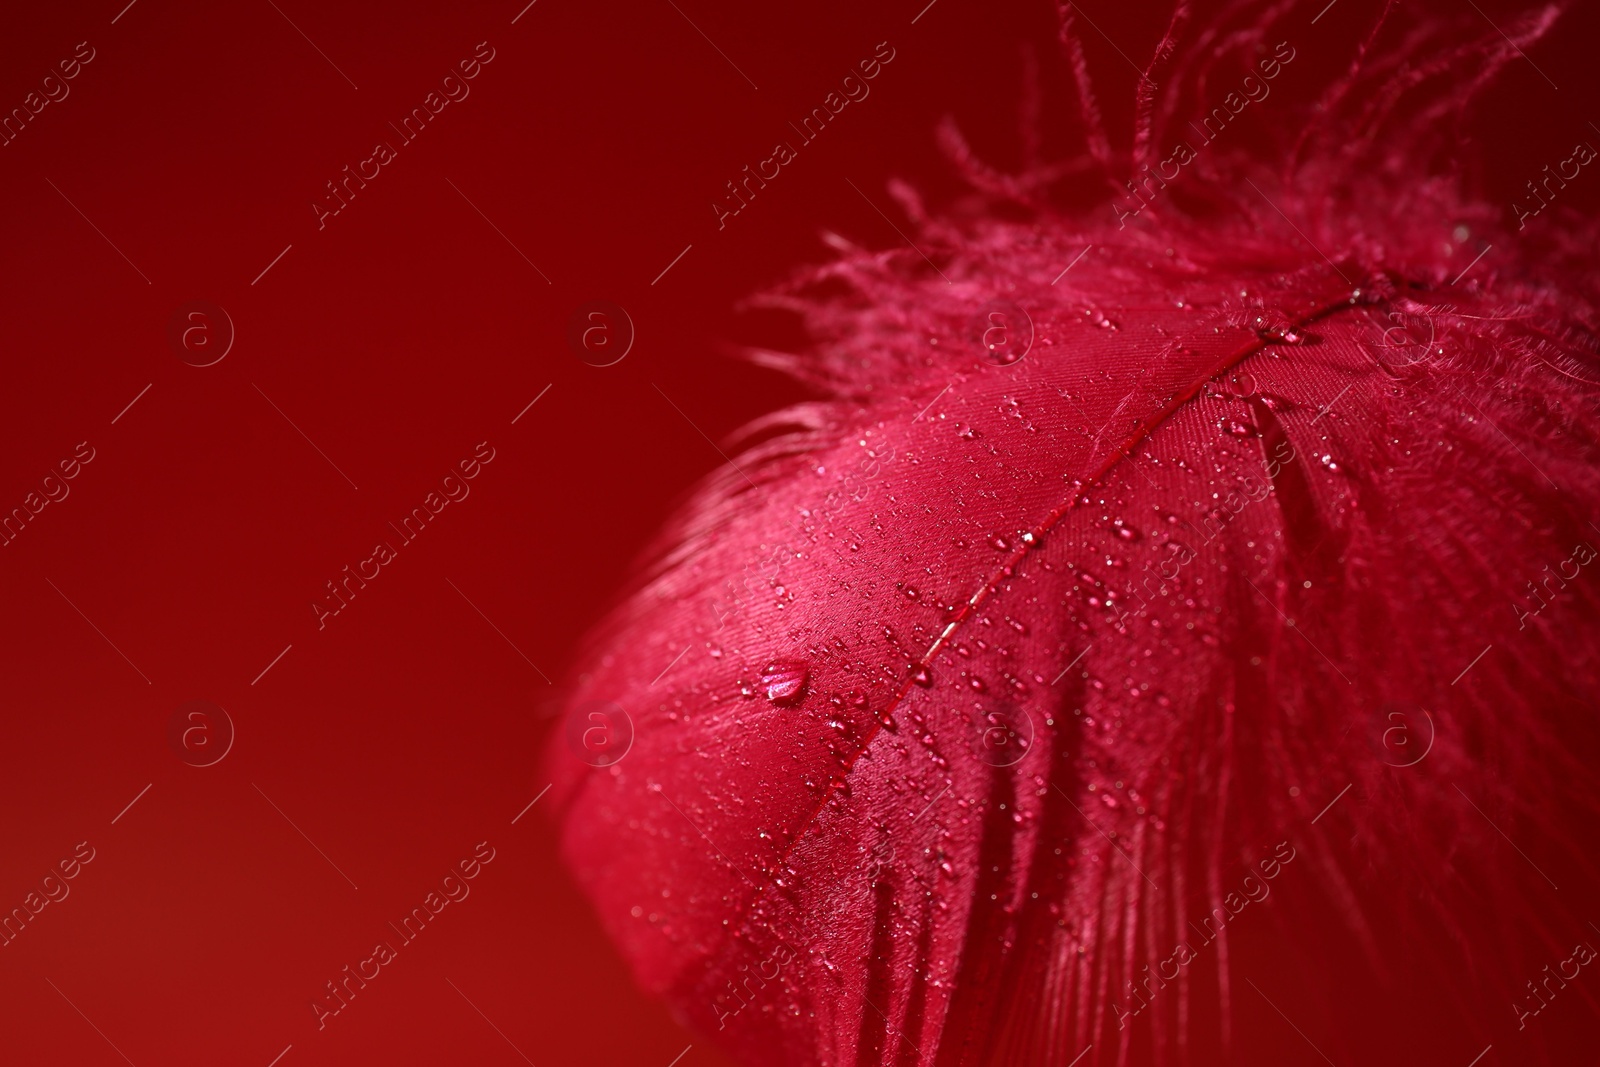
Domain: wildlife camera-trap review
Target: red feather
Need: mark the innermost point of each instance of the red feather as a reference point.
(980, 697)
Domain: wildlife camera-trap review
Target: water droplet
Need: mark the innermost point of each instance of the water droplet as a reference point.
(999, 543)
(921, 676)
(1238, 428)
(1124, 531)
(1329, 462)
(784, 681)
(1275, 328)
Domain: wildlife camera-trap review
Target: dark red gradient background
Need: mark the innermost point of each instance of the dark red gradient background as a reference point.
(398, 338)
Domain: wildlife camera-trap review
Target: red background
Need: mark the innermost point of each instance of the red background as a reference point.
(397, 338)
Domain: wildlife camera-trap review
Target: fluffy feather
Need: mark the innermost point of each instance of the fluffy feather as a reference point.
(1277, 468)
